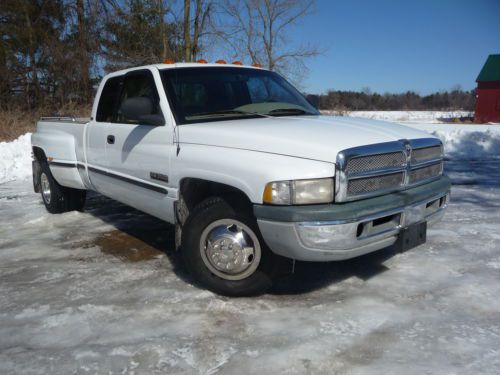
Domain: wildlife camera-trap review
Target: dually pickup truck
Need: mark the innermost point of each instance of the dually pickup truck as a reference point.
(245, 167)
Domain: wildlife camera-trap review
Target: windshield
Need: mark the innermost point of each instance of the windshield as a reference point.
(227, 93)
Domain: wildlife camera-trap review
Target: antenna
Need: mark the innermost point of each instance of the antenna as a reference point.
(177, 140)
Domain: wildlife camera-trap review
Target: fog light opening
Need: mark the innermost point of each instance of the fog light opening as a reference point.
(359, 231)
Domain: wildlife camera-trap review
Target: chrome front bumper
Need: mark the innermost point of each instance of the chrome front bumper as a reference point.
(344, 239)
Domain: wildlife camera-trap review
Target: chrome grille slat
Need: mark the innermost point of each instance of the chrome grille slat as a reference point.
(377, 169)
(425, 173)
(375, 162)
(369, 184)
(420, 155)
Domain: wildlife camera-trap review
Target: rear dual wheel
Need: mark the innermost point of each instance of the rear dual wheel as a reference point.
(56, 198)
(224, 251)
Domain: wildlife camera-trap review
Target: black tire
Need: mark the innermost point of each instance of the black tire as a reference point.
(210, 212)
(60, 199)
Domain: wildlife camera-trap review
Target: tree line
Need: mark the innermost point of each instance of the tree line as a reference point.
(55, 51)
(366, 100)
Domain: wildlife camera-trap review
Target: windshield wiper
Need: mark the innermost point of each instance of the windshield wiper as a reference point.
(227, 112)
(289, 112)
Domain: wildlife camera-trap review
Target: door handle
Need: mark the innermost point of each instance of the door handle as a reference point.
(111, 139)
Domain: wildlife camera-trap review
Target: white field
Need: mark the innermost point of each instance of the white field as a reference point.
(407, 116)
(103, 291)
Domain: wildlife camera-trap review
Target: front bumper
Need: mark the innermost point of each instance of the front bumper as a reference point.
(347, 230)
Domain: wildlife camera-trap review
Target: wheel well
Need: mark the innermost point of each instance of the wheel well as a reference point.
(195, 190)
(39, 154)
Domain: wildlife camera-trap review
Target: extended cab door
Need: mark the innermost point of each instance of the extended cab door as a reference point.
(96, 133)
(139, 144)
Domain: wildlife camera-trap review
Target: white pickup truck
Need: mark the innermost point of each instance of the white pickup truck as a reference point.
(245, 168)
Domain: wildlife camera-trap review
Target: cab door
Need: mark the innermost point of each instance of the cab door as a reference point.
(139, 144)
(95, 137)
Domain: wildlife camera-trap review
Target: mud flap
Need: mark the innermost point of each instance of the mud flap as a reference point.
(37, 171)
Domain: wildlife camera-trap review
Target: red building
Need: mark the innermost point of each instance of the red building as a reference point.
(488, 91)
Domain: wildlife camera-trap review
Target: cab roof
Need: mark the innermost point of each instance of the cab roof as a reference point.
(184, 65)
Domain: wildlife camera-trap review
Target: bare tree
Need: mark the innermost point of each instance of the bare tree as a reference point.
(195, 28)
(258, 29)
(187, 30)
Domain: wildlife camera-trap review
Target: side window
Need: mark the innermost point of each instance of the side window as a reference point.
(108, 99)
(138, 97)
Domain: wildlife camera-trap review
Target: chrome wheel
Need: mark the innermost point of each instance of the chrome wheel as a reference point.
(45, 187)
(230, 249)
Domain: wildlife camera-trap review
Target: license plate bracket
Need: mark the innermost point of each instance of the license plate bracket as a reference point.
(412, 236)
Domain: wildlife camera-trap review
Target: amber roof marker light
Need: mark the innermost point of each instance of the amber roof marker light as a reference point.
(257, 65)
(168, 61)
(202, 61)
(221, 62)
(238, 62)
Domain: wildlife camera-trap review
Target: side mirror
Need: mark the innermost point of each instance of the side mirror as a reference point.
(139, 109)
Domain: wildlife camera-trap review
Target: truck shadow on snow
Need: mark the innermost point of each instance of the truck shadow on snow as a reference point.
(141, 237)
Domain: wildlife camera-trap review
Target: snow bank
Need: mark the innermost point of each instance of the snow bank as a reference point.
(15, 159)
(466, 142)
(410, 116)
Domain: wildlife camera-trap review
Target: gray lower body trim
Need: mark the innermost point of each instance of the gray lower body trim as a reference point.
(141, 184)
(344, 239)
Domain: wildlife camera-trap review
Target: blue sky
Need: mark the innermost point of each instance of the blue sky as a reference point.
(395, 46)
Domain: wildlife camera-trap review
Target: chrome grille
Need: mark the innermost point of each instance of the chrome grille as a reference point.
(370, 184)
(376, 169)
(375, 162)
(425, 154)
(425, 173)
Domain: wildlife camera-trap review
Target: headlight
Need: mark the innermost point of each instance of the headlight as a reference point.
(299, 192)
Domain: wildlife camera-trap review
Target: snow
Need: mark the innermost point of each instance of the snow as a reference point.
(411, 116)
(74, 302)
(466, 142)
(15, 159)
(103, 291)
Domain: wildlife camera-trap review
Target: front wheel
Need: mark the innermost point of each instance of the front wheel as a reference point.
(223, 250)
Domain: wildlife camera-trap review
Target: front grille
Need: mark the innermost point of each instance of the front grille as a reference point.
(375, 162)
(376, 169)
(425, 154)
(371, 184)
(425, 173)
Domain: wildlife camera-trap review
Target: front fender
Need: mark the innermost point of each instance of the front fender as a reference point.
(248, 171)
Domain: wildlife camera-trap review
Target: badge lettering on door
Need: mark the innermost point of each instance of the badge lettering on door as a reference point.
(158, 176)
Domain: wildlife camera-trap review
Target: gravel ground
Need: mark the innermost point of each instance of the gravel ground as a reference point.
(104, 292)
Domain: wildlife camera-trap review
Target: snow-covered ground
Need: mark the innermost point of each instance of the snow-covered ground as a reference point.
(408, 116)
(103, 291)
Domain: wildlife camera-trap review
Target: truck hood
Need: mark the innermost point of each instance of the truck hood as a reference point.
(310, 137)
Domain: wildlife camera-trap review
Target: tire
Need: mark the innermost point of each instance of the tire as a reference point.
(217, 222)
(56, 198)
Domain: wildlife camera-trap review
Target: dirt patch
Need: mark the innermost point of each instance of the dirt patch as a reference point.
(125, 247)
